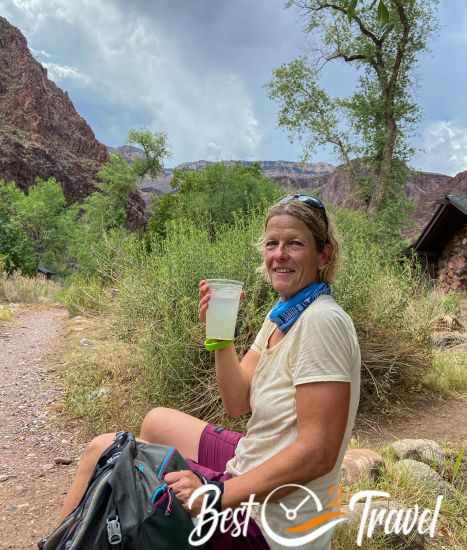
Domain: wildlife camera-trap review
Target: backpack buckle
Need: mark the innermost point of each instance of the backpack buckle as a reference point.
(114, 532)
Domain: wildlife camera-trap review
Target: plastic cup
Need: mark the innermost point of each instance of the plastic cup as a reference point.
(221, 315)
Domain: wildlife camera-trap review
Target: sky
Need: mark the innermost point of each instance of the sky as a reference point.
(197, 69)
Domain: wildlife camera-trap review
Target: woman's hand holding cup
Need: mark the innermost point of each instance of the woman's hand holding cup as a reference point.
(204, 297)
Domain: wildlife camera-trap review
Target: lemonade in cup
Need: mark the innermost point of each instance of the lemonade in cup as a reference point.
(221, 315)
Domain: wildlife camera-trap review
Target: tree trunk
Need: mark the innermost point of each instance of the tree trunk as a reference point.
(384, 173)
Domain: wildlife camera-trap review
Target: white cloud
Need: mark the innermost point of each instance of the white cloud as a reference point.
(444, 148)
(40, 53)
(135, 64)
(63, 72)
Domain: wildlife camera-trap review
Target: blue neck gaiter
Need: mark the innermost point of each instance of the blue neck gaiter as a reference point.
(286, 312)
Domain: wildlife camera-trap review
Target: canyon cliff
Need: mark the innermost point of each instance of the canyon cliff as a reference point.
(41, 134)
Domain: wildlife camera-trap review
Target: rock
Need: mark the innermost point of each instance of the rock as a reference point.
(423, 450)
(63, 460)
(448, 339)
(41, 133)
(360, 463)
(100, 392)
(425, 475)
(85, 342)
(4, 478)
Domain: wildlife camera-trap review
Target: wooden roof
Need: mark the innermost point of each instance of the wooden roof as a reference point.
(449, 217)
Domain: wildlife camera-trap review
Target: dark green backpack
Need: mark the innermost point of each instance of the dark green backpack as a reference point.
(127, 505)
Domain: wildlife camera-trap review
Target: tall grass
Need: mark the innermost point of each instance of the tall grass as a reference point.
(157, 304)
(448, 373)
(155, 308)
(28, 290)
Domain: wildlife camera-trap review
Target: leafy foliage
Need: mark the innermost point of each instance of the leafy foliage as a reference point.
(155, 149)
(16, 249)
(212, 196)
(376, 121)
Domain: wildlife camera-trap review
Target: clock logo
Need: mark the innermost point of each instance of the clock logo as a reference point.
(315, 526)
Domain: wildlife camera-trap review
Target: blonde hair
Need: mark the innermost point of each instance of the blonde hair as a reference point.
(324, 236)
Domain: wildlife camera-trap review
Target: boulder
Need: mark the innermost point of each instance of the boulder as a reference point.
(424, 475)
(423, 450)
(360, 464)
(448, 339)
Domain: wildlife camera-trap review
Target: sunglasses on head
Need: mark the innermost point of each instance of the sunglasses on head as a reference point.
(312, 202)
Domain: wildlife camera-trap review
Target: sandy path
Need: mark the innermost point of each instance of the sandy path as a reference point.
(31, 484)
(442, 419)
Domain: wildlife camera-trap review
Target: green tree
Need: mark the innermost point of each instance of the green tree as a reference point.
(102, 217)
(16, 248)
(155, 148)
(212, 196)
(376, 121)
(41, 214)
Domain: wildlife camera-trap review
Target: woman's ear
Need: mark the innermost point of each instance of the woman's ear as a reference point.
(325, 256)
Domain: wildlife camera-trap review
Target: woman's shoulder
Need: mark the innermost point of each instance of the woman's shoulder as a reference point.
(325, 309)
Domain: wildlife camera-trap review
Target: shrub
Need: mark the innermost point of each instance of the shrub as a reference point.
(157, 304)
(213, 196)
(156, 308)
(28, 290)
(83, 294)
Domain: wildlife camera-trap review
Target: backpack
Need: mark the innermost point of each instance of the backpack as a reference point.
(127, 505)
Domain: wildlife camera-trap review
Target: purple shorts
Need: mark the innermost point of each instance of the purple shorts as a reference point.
(216, 447)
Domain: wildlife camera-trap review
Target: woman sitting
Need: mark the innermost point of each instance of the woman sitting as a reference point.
(300, 380)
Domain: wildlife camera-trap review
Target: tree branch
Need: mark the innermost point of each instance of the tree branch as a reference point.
(401, 46)
(364, 30)
(348, 58)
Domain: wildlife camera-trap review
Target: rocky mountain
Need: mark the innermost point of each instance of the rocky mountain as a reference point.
(288, 174)
(426, 189)
(41, 134)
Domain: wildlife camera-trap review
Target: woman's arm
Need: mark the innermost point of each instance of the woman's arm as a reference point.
(233, 376)
(322, 411)
(234, 379)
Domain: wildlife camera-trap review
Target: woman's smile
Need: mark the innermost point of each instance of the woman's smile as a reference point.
(290, 255)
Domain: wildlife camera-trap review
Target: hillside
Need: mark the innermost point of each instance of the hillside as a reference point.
(426, 189)
(41, 134)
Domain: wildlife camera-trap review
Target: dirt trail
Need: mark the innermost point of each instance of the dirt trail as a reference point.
(442, 419)
(31, 484)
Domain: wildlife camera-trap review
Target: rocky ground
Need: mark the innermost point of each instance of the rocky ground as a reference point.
(39, 450)
(33, 444)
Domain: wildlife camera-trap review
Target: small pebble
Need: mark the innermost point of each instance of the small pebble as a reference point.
(63, 460)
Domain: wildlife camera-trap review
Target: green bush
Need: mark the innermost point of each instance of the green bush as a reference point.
(157, 303)
(155, 307)
(16, 248)
(213, 196)
(83, 294)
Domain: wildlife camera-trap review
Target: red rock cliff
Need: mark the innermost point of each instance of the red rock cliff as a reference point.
(41, 134)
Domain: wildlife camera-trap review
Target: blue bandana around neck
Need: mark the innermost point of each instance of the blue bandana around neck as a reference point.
(286, 312)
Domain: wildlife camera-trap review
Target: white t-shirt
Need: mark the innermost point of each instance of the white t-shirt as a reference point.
(321, 345)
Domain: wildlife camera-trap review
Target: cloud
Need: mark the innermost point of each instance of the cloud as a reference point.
(444, 148)
(63, 72)
(149, 67)
(40, 53)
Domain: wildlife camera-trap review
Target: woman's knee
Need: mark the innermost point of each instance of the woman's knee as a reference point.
(97, 446)
(173, 427)
(154, 420)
